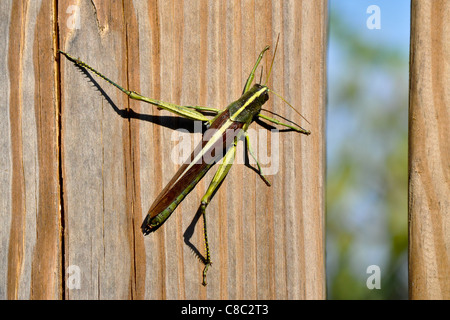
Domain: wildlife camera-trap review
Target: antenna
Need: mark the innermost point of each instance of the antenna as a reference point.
(268, 75)
(279, 96)
(260, 77)
(274, 53)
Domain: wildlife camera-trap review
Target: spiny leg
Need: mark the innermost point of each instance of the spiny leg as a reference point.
(220, 174)
(298, 129)
(249, 149)
(208, 256)
(184, 111)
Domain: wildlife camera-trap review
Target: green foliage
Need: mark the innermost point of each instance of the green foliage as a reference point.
(367, 165)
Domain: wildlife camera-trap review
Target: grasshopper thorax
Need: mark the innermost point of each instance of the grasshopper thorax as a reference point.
(248, 106)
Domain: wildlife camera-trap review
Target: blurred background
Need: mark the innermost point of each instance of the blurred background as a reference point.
(367, 144)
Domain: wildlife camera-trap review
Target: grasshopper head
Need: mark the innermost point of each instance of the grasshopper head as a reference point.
(262, 96)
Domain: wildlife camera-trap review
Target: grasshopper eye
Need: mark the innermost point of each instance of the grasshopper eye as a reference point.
(266, 96)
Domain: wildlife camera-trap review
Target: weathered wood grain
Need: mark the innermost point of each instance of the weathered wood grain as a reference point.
(78, 185)
(429, 151)
(30, 197)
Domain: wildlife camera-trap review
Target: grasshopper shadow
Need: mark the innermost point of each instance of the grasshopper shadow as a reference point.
(171, 122)
(187, 235)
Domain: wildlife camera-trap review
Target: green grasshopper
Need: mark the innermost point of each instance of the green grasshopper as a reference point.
(225, 130)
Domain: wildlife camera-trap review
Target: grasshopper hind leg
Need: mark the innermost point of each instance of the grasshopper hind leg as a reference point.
(207, 260)
(219, 176)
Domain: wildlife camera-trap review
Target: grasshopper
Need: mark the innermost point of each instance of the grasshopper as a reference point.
(225, 129)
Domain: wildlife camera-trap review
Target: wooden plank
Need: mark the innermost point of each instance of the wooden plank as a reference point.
(95, 145)
(5, 148)
(429, 151)
(79, 185)
(30, 235)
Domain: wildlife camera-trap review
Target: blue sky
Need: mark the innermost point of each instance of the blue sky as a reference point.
(395, 19)
(394, 34)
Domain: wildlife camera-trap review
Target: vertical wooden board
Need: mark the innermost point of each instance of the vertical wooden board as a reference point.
(429, 151)
(31, 242)
(95, 146)
(312, 164)
(46, 265)
(5, 147)
(190, 53)
(243, 227)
